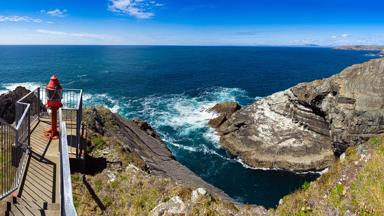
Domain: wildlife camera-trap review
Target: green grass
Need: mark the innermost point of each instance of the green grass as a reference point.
(361, 191)
(305, 186)
(336, 195)
(98, 143)
(368, 188)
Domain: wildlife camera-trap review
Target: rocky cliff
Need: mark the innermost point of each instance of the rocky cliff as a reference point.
(138, 137)
(302, 128)
(140, 175)
(8, 101)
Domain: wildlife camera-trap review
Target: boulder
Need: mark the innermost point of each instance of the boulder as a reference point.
(302, 128)
(174, 206)
(8, 101)
(197, 194)
(225, 111)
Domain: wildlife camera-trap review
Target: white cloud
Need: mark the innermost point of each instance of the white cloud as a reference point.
(72, 34)
(345, 35)
(342, 36)
(140, 9)
(56, 12)
(19, 19)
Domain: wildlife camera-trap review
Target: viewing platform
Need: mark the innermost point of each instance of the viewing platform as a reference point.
(35, 171)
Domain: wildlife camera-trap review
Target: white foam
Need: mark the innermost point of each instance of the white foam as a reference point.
(211, 136)
(7, 87)
(320, 172)
(187, 148)
(102, 99)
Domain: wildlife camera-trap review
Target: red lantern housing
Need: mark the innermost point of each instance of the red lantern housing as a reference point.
(54, 93)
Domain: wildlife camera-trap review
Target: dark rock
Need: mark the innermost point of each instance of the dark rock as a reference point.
(144, 126)
(302, 128)
(8, 101)
(225, 111)
(94, 121)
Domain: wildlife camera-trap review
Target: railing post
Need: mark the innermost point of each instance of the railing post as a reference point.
(29, 128)
(78, 124)
(38, 104)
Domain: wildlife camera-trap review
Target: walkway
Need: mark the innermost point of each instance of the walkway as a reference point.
(39, 193)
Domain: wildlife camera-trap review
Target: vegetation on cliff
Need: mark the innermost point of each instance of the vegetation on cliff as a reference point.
(354, 185)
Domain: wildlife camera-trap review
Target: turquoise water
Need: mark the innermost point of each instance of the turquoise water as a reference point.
(171, 88)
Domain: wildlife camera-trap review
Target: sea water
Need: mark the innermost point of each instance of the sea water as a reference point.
(171, 87)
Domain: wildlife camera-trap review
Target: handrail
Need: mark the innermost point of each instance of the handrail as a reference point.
(67, 206)
(20, 141)
(24, 115)
(80, 99)
(17, 144)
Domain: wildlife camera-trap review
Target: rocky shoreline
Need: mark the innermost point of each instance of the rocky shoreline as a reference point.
(307, 126)
(139, 164)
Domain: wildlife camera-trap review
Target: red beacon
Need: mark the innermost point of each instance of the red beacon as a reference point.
(54, 93)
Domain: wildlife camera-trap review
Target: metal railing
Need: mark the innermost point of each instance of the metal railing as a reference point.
(36, 106)
(72, 115)
(8, 169)
(67, 206)
(15, 143)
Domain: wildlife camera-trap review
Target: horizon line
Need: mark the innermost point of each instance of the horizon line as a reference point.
(189, 45)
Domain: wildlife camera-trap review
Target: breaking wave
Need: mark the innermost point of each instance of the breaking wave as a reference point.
(6, 87)
(180, 119)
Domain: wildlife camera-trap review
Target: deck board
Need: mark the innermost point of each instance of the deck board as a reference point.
(41, 177)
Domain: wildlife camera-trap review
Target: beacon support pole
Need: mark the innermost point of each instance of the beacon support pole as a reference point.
(54, 96)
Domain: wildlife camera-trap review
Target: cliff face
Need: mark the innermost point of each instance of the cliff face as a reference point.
(139, 138)
(301, 128)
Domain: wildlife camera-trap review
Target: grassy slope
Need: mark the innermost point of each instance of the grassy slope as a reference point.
(353, 185)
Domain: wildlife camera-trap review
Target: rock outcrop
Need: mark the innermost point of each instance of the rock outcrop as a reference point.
(302, 128)
(8, 101)
(139, 137)
(225, 110)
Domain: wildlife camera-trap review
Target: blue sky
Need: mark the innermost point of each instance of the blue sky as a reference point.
(192, 22)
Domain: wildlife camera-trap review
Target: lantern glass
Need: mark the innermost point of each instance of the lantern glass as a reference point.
(54, 95)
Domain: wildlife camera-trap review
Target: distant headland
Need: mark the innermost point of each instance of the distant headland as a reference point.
(361, 47)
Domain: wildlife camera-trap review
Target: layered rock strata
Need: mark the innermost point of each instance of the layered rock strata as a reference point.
(302, 128)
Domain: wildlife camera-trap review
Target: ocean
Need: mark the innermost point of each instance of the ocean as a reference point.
(171, 87)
